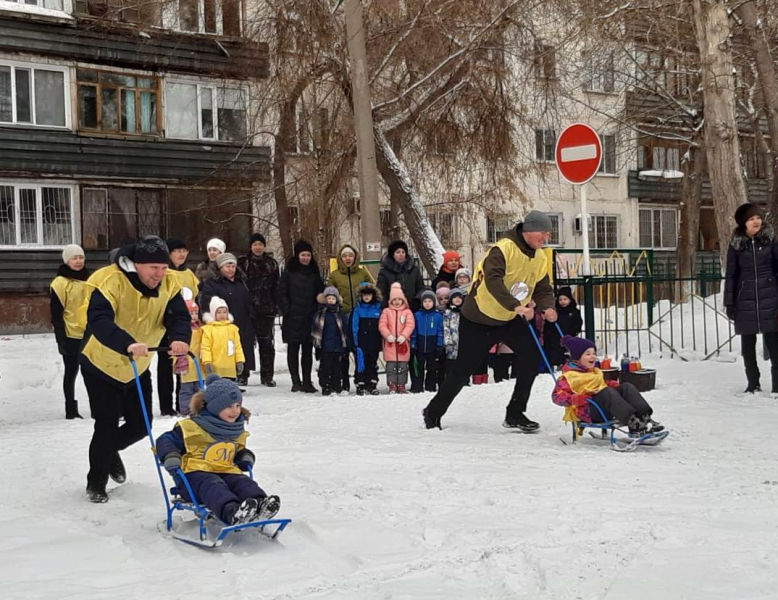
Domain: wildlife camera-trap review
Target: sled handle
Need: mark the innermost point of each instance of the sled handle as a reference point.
(190, 354)
(540, 348)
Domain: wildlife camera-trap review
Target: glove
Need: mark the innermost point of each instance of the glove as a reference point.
(400, 339)
(208, 368)
(730, 313)
(181, 366)
(245, 460)
(391, 339)
(239, 368)
(172, 462)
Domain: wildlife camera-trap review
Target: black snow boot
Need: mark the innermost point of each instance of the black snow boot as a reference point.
(361, 389)
(71, 410)
(268, 507)
(520, 422)
(774, 377)
(308, 388)
(245, 512)
(96, 493)
(430, 422)
(117, 472)
(752, 375)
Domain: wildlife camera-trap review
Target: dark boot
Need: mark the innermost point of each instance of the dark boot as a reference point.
(774, 376)
(296, 385)
(96, 493)
(118, 472)
(71, 410)
(752, 375)
(308, 387)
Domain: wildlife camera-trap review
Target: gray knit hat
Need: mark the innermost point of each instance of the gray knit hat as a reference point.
(225, 258)
(220, 394)
(428, 294)
(536, 221)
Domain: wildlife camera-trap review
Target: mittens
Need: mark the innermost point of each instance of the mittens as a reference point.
(208, 368)
(391, 339)
(239, 368)
(172, 463)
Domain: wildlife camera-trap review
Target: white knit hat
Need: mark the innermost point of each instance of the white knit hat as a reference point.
(216, 304)
(70, 251)
(216, 243)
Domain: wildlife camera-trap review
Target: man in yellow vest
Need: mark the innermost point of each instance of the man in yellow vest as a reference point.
(135, 303)
(511, 275)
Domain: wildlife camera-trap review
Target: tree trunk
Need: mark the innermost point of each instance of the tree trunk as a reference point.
(721, 134)
(689, 233)
(760, 50)
(283, 140)
(401, 188)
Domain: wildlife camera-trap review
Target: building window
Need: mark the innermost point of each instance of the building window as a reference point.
(32, 95)
(658, 228)
(117, 102)
(496, 226)
(604, 232)
(544, 61)
(140, 12)
(36, 215)
(27, 5)
(608, 163)
(659, 158)
(208, 112)
(116, 216)
(599, 72)
(545, 145)
(556, 228)
(220, 17)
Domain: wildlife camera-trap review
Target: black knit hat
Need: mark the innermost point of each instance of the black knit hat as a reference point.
(151, 249)
(257, 237)
(565, 291)
(745, 211)
(302, 246)
(175, 244)
(395, 246)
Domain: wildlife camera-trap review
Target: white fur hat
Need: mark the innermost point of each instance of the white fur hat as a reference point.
(216, 243)
(70, 251)
(215, 304)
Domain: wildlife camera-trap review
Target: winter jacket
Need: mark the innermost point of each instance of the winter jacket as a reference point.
(427, 334)
(297, 303)
(329, 331)
(407, 274)
(190, 285)
(221, 347)
(262, 278)
(569, 318)
(397, 322)
(207, 270)
(364, 326)
(451, 332)
(446, 276)
(347, 279)
(751, 286)
(69, 291)
(575, 385)
(235, 293)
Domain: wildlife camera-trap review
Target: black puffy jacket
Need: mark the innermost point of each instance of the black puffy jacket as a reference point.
(238, 299)
(300, 284)
(751, 287)
(407, 274)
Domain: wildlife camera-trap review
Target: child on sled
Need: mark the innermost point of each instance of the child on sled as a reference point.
(580, 380)
(210, 448)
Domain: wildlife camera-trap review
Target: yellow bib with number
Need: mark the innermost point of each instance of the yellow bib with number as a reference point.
(204, 453)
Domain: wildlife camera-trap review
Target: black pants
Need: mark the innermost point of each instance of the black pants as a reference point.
(368, 377)
(108, 400)
(165, 382)
(330, 371)
(293, 352)
(345, 363)
(474, 343)
(619, 403)
(69, 380)
(748, 349)
(502, 367)
(441, 369)
(264, 329)
(425, 374)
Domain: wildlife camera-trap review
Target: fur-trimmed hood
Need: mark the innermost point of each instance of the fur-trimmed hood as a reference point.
(739, 239)
(197, 405)
(369, 287)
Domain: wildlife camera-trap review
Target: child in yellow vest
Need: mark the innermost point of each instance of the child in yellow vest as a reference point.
(220, 349)
(580, 380)
(210, 448)
(185, 364)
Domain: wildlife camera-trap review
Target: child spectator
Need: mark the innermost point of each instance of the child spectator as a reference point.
(190, 385)
(210, 448)
(569, 321)
(463, 278)
(329, 340)
(426, 343)
(396, 326)
(580, 380)
(220, 350)
(451, 326)
(367, 338)
(442, 295)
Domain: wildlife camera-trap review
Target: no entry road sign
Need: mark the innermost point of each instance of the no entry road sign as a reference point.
(578, 153)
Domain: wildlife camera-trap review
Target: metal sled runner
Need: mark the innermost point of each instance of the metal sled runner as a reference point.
(211, 531)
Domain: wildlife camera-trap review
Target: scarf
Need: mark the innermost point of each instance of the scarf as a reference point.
(317, 332)
(220, 430)
(66, 271)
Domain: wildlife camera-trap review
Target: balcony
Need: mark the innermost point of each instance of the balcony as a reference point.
(671, 190)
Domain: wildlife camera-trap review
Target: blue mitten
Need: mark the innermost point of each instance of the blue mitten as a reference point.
(360, 360)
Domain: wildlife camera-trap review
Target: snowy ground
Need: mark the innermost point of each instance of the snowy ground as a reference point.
(385, 509)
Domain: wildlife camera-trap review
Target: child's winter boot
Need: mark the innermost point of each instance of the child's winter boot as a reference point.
(361, 389)
(268, 507)
(392, 388)
(246, 512)
(401, 389)
(372, 388)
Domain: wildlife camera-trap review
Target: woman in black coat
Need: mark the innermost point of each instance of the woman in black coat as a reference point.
(398, 266)
(230, 287)
(297, 291)
(751, 289)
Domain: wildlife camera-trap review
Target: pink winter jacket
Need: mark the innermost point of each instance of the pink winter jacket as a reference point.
(397, 322)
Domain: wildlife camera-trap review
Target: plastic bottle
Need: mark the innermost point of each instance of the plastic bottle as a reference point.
(625, 362)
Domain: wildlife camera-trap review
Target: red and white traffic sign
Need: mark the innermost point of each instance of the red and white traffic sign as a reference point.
(578, 153)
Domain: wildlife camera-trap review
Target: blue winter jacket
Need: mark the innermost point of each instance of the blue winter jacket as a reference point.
(428, 333)
(364, 326)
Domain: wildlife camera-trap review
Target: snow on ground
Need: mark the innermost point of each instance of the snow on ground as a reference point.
(385, 509)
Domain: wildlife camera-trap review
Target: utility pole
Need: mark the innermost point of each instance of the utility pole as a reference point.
(363, 123)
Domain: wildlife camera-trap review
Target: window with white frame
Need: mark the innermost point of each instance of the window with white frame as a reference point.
(658, 228)
(496, 226)
(599, 72)
(545, 144)
(604, 232)
(203, 111)
(33, 95)
(556, 229)
(608, 163)
(220, 17)
(54, 5)
(36, 214)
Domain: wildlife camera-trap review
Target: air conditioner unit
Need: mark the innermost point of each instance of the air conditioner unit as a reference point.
(578, 223)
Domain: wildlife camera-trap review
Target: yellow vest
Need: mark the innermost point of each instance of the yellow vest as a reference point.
(189, 283)
(203, 453)
(522, 273)
(94, 281)
(140, 316)
(220, 346)
(585, 384)
(194, 347)
(72, 294)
